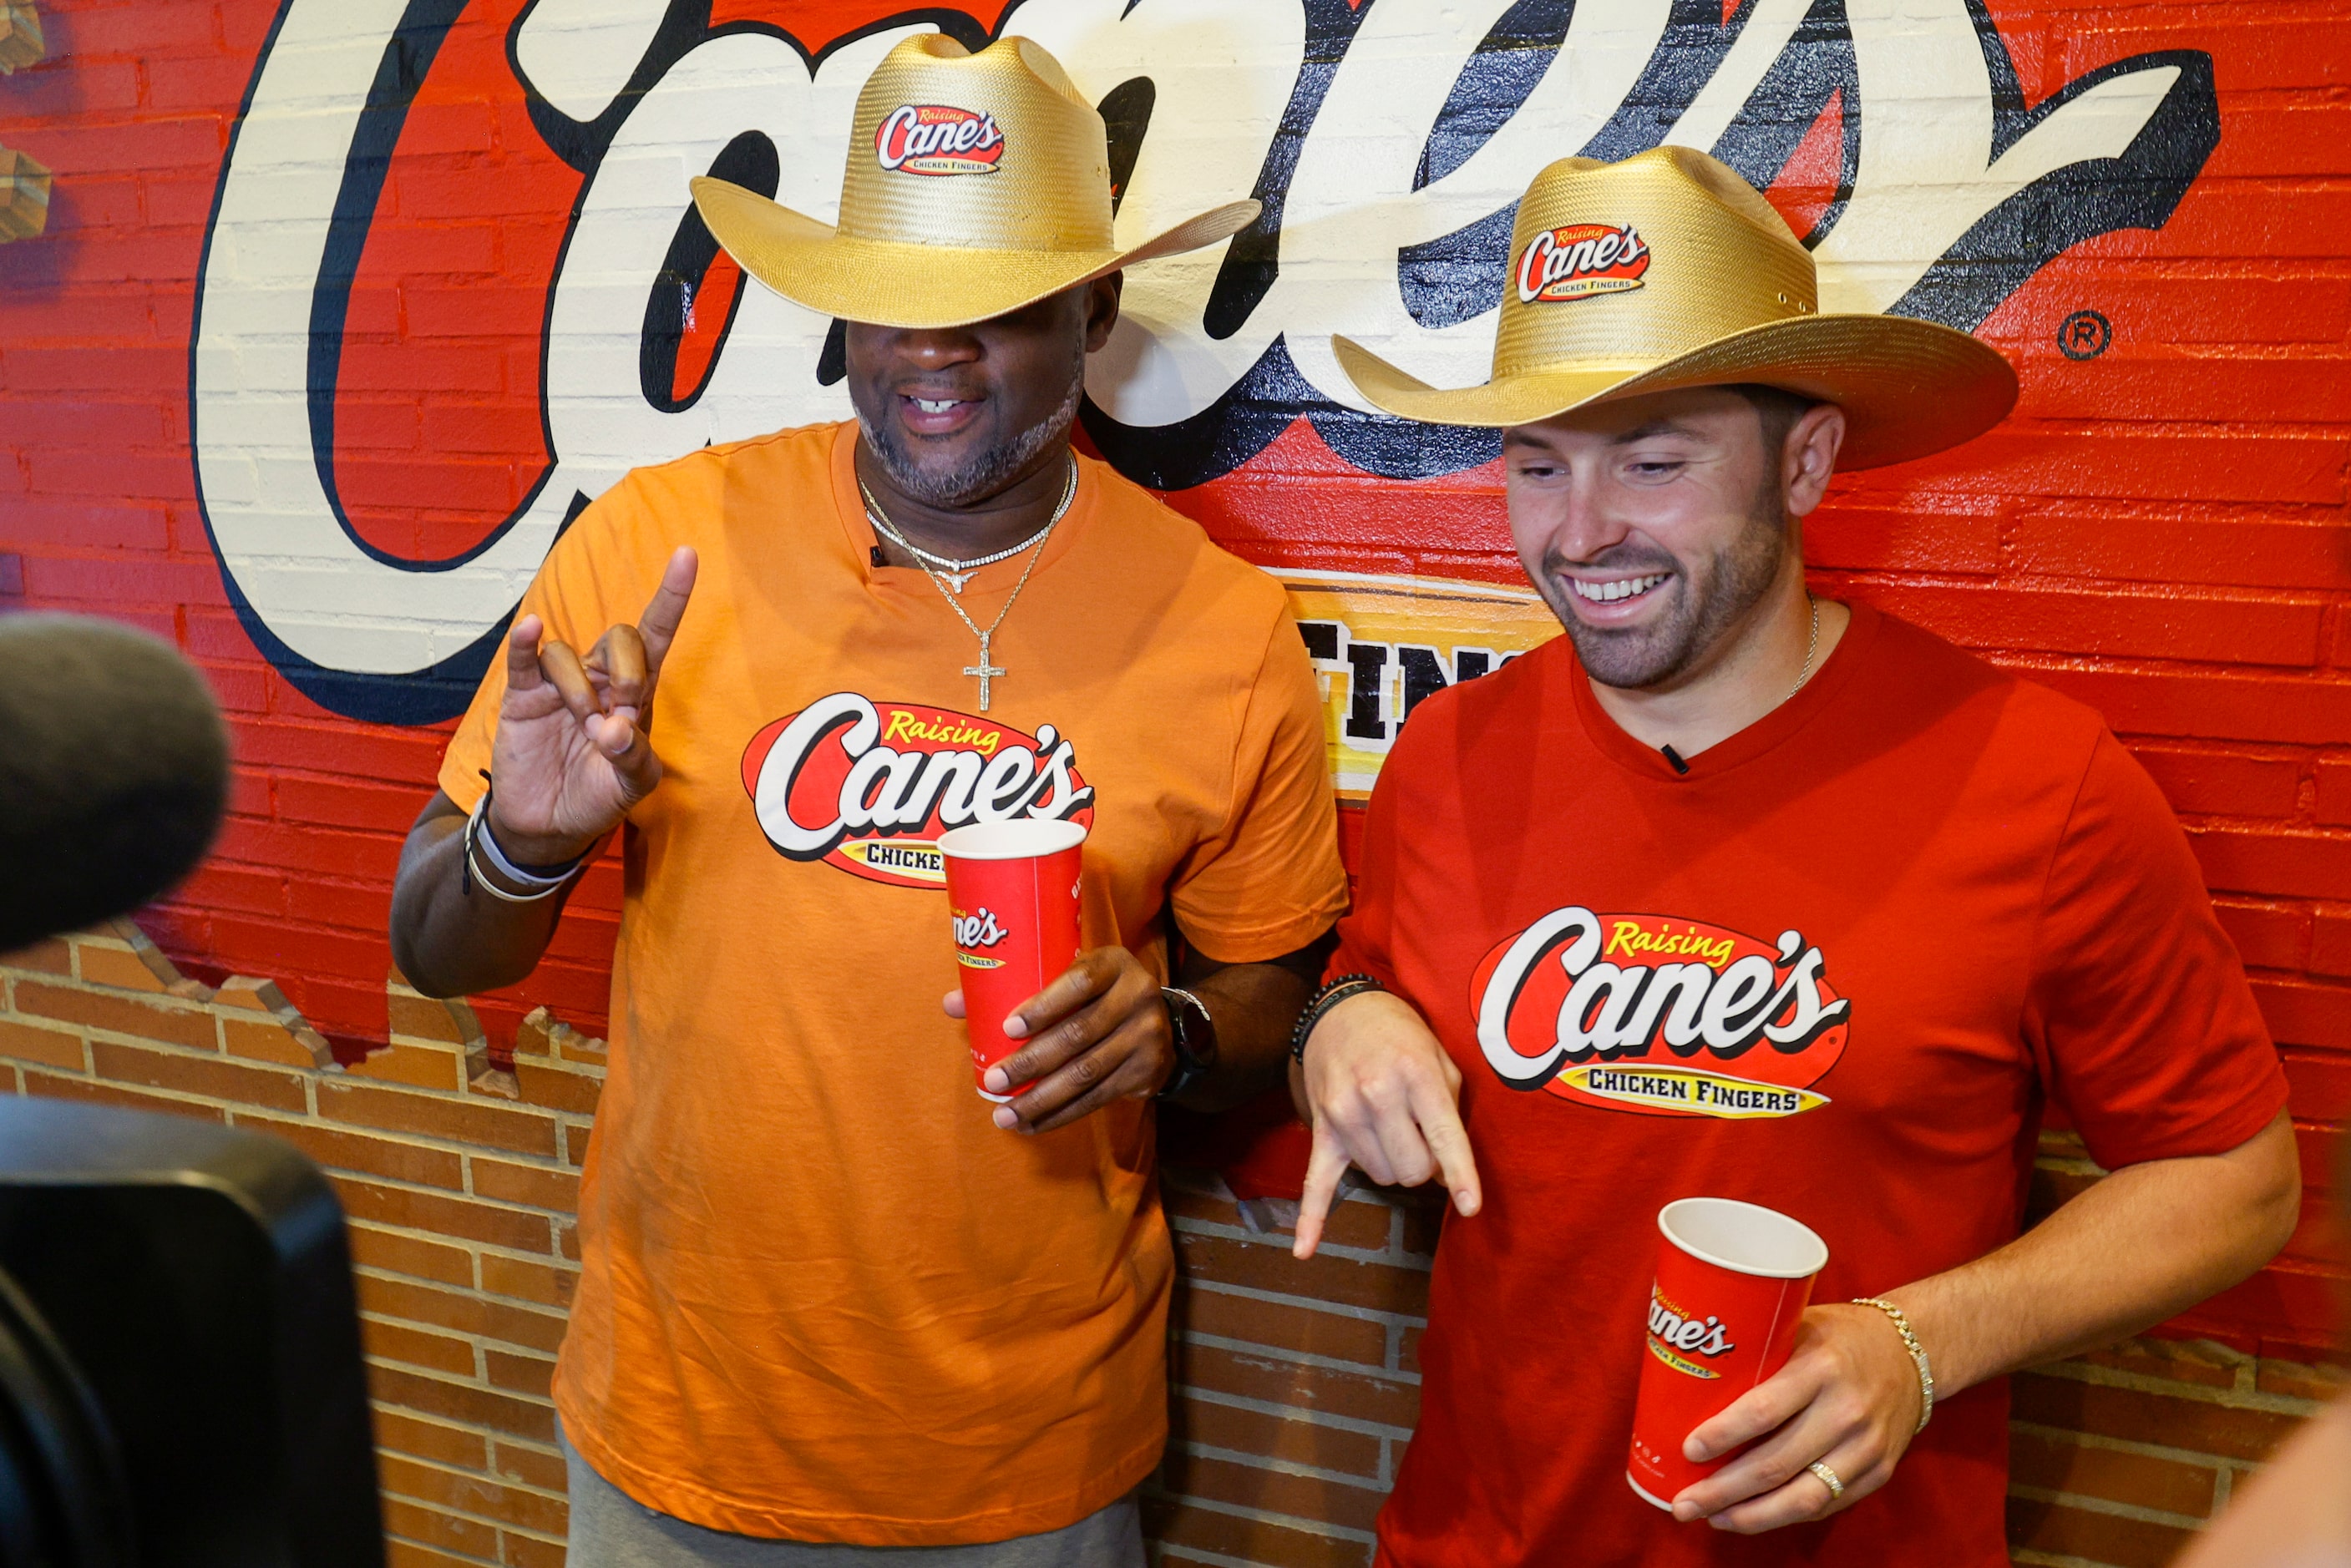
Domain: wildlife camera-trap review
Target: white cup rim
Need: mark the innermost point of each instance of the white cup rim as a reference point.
(1803, 1252)
(1015, 838)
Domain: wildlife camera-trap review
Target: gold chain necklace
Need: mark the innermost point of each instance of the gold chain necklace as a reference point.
(1812, 646)
(985, 669)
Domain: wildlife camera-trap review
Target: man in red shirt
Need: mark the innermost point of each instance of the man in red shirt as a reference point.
(1737, 892)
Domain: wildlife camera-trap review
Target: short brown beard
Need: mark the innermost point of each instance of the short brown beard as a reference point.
(1705, 605)
(986, 473)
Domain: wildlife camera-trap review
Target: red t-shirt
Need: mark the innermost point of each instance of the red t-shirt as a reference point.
(1835, 968)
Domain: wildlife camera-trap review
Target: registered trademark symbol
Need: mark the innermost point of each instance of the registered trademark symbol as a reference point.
(2084, 334)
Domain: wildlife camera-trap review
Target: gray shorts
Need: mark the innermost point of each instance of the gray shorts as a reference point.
(611, 1529)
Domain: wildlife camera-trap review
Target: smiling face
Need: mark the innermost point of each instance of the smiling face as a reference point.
(1655, 526)
(958, 414)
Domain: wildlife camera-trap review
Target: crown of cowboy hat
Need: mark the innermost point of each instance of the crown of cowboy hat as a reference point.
(977, 184)
(1667, 270)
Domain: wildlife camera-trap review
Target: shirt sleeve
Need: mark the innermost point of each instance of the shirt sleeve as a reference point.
(1366, 936)
(2140, 1015)
(584, 587)
(1270, 882)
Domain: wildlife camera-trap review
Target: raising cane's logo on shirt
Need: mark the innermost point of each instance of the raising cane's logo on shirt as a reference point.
(937, 138)
(1660, 1015)
(868, 786)
(1579, 261)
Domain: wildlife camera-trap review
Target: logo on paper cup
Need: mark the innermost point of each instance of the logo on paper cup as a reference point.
(868, 786)
(937, 138)
(1676, 1335)
(1579, 261)
(1660, 1015)
(978, 929)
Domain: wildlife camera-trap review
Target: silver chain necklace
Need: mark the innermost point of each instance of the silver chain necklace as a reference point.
(958, 573)
(985, 669)
(1812, 646)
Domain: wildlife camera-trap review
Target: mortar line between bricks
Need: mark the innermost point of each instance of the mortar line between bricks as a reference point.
(1202, 1555)
(2195, 1457)
(179, 1095)
(1316, 1303)
(1264, 1516)
(374, 1179)
(393, 1276)
(517, 1529)
(1293, 1413)
(471, 1477)
(486, 1342)
(2025, 1555)
(1416, 1261)
(450, 1552)
(2232, 1399)
(2087, 1503)
(1282, 1467)
(479, 1384)
(502, 1480)
(1300, 1358)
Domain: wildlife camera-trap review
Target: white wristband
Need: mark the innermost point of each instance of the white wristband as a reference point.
(480, 842)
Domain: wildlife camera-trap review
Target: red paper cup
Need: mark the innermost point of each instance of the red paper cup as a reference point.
(1733, 1280)
(1013, 888)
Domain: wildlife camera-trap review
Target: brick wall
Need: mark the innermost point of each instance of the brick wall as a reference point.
(1295, 1383)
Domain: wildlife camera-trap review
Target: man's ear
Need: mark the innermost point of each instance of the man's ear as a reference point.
(1101, 309)
(1808, 458)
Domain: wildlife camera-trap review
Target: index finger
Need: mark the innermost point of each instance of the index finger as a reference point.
(1448, 1142)
(1765, 1408)
(658, 625)
(1324, 1169)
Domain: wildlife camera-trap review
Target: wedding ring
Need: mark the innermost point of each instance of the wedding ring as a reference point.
(1829, 1479)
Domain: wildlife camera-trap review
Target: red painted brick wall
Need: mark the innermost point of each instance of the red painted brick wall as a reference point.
(2160, 530)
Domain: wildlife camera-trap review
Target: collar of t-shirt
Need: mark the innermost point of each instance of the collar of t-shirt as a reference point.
(987, 583)
(1748, 745)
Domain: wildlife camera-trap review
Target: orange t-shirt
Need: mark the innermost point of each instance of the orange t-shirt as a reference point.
(823, 1297)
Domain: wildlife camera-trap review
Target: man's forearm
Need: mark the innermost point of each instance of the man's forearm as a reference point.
(2146, 1243)
(1254, 1005)
(446, 941)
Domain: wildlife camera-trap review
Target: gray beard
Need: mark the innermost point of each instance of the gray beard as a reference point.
(985, 472)
(1705, 604)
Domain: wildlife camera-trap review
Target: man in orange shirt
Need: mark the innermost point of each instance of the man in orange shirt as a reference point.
(1736, 892)
(827, 1294)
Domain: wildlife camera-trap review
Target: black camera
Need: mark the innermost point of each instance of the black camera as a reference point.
(180, 1384)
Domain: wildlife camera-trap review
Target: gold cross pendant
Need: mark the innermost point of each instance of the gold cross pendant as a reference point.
(984, 669)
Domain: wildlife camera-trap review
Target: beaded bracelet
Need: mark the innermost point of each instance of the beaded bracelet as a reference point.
(1323, 1001)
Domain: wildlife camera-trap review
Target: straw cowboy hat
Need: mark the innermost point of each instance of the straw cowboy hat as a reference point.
(977, 184)
(1667, 270)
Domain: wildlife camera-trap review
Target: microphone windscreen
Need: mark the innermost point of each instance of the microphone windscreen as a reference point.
(113, 772)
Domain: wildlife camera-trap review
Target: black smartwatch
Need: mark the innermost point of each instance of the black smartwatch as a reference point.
(1194, 1038)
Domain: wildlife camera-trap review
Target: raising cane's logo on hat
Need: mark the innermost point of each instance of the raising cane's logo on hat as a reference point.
(937, 138)
(1660, 1015)
(868, 786)
(1579, 261)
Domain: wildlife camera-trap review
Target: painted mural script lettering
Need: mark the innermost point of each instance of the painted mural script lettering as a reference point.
(1389, 142)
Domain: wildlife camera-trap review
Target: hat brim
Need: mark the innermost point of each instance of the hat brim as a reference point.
(1909, 388)
(890, 282)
